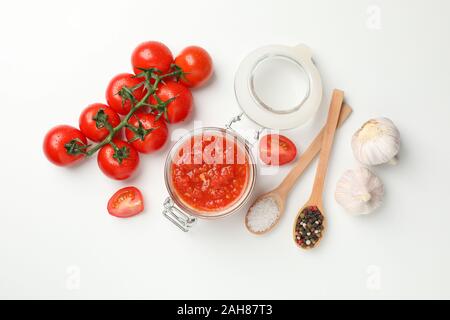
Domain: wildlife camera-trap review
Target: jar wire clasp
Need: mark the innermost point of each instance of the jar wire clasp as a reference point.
(177, 217)
(229, 126)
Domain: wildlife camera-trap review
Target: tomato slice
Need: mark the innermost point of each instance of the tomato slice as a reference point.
(126, 202)
(275, 149)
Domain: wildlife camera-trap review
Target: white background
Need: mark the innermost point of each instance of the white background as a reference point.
(56, 237)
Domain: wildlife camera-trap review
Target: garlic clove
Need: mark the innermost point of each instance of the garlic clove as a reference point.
(359, 191)
(376, 142)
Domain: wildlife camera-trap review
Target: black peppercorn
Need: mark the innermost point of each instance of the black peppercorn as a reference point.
(308, 227)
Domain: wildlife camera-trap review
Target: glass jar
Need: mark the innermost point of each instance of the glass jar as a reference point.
(178, 209)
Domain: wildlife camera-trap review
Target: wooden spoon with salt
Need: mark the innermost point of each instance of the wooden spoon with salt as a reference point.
(281, 192)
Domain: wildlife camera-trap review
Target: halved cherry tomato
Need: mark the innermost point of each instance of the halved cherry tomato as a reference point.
(181, 106)
(275, 149)
(115, 85)
(56, 145)
(152, 141)
(197, 64)
(90, 126)
(113, 167)
(151, 54)
(126, 202)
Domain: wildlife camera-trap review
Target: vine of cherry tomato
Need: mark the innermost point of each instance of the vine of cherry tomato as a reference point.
(113, 97)
(88, 125)
(141, 104)
(181, 101)
(155, 140)
(197, 64)
(56, 145)
(115, 167)
(151, 54)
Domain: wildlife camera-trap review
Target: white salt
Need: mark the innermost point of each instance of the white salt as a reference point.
(263, 214)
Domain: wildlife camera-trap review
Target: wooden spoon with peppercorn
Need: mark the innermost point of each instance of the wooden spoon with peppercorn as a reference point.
(309, 223)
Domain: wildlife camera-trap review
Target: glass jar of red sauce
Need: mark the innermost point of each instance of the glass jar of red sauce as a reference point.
(209, 173)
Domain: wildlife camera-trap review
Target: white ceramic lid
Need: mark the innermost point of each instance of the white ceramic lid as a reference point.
(273, 102)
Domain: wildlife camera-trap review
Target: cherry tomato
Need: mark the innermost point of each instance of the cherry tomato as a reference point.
(151, 54)
(56, 145)
(115, 85)
(113, 167)
(197, 64)
(181, 106)
(90, 126)
(276, 149)
(152, 141)
(126, 202)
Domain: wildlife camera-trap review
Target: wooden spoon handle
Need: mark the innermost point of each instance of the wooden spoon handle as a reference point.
(307, 157)
(332, 120)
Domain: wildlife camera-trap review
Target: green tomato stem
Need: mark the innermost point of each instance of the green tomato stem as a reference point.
(151, 89)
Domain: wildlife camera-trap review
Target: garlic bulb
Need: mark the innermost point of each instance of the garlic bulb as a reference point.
(376, 142)
(359, 191)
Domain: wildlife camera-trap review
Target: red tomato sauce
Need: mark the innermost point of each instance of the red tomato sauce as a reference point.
(210, 172)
